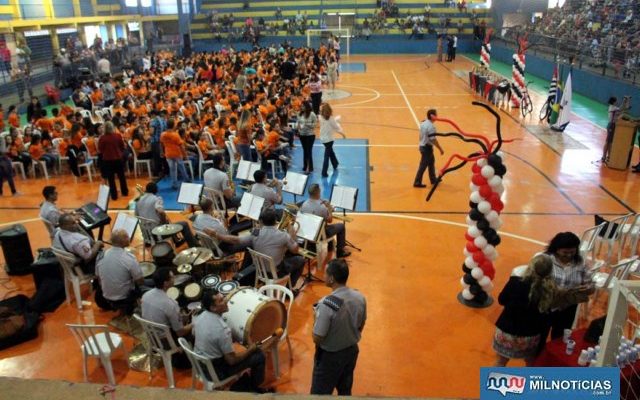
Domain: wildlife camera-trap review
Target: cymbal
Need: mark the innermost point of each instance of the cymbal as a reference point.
(167, 230)
(184, 268)
(148, 268)
(193, 256)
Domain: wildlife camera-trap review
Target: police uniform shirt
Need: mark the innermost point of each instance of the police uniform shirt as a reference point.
(117, 270)
(148, 207)
(216, 179)
(207, 221)
(49, 212)
(339, 318)
(315, 207)
(73, 242)
(268, 194)
(160, 308)
(212, 335)
(271, 242)
(427, 130)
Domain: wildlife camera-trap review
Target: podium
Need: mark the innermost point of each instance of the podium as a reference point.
(622, 145)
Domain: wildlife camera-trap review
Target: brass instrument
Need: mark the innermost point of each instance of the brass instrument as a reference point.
(288, 219)
(328, 205)
(275, 182)
(232, 184)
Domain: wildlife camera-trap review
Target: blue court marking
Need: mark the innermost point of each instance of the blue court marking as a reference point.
(357, 67)
(353, 156)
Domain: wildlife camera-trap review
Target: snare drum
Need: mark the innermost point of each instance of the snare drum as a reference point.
(226, 287)
(173, 293)
(148, 268)
(210, 281)
(163, 254)
(253, 317)
(192, 292)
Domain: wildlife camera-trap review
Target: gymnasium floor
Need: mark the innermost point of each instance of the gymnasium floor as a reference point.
(418, 341)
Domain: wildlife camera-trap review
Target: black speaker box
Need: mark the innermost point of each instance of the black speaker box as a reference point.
(16, 249)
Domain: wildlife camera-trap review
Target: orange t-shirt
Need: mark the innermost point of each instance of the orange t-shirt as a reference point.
(36, 151)
(1, 120)
(63, 146)
(14, 120)
(172, 143)
(44, 124)
(203, 144)
(91, 146)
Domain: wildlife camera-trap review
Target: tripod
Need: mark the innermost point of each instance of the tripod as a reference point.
(347, 242)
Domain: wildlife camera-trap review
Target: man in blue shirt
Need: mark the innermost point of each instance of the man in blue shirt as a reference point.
(159, 125)
(427, 141)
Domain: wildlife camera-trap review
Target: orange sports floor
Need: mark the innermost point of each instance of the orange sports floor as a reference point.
(418, 341)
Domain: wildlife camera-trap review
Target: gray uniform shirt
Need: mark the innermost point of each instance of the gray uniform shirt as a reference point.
(268, 194)
(216, 179)
(315, 207)
(212, 335)
(206, 221)
(340, 328)
(148, 207)
(73, 242)
(426, 129)
(271, 242)
(118, 270)
(50, 212)
(160, 308)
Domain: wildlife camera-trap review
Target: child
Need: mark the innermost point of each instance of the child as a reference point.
(38, 153)
(13, 118)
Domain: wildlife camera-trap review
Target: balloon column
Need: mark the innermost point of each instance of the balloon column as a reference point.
(485, 50)
(517, 72)
(483, 219)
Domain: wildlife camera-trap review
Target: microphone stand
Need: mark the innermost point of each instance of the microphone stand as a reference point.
(346, 241)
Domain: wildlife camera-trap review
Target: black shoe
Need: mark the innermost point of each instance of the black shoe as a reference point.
(419, 185)
(343, 253)
(636, 170)
(325, 175)
(265, 390)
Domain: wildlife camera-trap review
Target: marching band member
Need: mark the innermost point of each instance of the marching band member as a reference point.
(322, 208)
(271, 197)
(71, 239)
(215, 228)
(216, 178)
(151, 207)
(213, 340)
(48, 209)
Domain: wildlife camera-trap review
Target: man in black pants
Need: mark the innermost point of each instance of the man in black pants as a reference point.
(111, 147)
(427, 141)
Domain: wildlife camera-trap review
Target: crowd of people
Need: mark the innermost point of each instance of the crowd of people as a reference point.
(607, 32)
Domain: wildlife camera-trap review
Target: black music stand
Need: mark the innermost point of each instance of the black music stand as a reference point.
(346, 198)
(310, 226)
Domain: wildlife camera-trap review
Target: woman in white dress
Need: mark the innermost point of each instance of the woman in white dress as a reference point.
(328, 125)
(332, 73)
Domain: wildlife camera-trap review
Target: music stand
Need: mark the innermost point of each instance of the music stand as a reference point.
(190, 193)
(346, 198)
(126, 222)
(251, 206)
(103, 198)
(246, 169)
(296, 184)
(310, 226)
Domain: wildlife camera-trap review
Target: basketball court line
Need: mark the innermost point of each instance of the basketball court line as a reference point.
(406, 100)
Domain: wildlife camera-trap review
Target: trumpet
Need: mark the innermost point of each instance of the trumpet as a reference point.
(275, 182)
(328, 205)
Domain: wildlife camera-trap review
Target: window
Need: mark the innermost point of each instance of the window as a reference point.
(131, 3)
(145, 3)
(171, 6)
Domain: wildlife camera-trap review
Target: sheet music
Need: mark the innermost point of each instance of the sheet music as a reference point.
(344, 197)
(103, 197)
(127, 222)
(310, 225)
(190, 193)
(251, 206)
(246, 169)
(296, 183)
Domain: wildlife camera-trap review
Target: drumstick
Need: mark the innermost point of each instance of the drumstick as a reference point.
(278, 332)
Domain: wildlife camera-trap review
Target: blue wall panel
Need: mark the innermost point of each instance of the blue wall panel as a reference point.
(63, 8)
(587, 83)
(30, 10)
(40, 48)
(86, 8)
(119, 31)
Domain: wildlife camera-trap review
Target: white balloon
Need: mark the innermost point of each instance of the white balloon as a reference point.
(492, 257)
(475, 197)
(487, 171)
(464, 285)
(477, 273)
(484, 281)
(488, 249)
(480, 242)
(492, 215)
(499, 189)
(496, 224)
(488, 288)
(473, 187)
(501, 154)
(484, 207)
(466, 252)
(469, 220)
(473, 231)
(482, 162)
(470, 263)
(466, 294)
(494, 181)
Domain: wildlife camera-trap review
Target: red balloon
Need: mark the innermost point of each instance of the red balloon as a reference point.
(478, 180)
(471, 247)
(486, 264)
(485, 191)
(494, 197)
(497, 205)
(491, 274)
(478, 257)
(468, 237)
(476, 168)
(487, 268)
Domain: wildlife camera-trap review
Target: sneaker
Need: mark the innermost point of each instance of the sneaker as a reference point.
(419, 185)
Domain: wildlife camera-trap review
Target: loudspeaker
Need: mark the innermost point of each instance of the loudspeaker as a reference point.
(186, 48)
(16, 249)
(246, 276)
(46, 267)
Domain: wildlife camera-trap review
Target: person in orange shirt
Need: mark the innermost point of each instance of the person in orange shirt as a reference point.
(13, 118)
(141, 145)
(91, 144)
(1, 118)
(174, 152)
(38, 153)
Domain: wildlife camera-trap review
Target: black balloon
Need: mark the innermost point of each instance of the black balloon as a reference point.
(475, 215)
(473, 205)
(494, 161)
(500, 170)
(481, 297)
(489, 233)
(475, 289)
(483, 225)
(465, 269)
(468, 279)
(494, 241)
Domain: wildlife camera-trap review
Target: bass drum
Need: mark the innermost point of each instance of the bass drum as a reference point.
(253, 317)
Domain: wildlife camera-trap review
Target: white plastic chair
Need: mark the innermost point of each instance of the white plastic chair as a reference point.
(210, 140)
(202, 162)
(19, 167)
(200, 364)
(188, 164)
(232, 156)
(97, 341)
(219, 257)
(50, 228)
(285, 296)
(94, 159)
(618, 272)
(266, 272)
(612, 236)
(61, 157)
(588, 246)
(40, 164)
(136, 161)
(72, 274)
(160, 338)
(631, 234)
